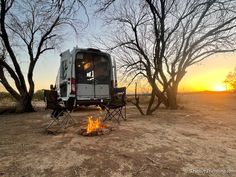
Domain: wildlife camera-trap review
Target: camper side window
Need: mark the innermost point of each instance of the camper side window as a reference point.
(64, 68)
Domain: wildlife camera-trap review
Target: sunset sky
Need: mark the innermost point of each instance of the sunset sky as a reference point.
(207, 75)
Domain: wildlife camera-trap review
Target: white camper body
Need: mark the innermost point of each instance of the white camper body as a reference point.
(87, 76)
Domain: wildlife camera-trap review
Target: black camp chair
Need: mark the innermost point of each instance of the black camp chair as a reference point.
(60, 114)
(116, 108)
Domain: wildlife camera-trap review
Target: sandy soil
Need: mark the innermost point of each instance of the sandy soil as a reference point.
(198, 140)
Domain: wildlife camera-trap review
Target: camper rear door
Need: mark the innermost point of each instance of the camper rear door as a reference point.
(92, 74)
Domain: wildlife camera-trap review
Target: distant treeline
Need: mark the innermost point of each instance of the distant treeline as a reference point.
(38, 95)
(5, 95)
(139, 94)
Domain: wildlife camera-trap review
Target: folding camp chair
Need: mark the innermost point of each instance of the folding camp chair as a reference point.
(60, 114)
(116, 108)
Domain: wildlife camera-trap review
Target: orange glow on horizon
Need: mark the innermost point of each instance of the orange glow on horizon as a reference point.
(219, 88)
(201, 78)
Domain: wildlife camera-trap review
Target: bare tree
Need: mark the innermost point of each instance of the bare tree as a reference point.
(231, 79)
(34, 26)
(160, 39)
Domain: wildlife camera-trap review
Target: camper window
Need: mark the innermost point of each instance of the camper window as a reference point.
(92, 69)
(85, 72)
(64, 68)
(101, 71)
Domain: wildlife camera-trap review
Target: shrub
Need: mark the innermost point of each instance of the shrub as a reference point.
(38, 95)
(6, 95)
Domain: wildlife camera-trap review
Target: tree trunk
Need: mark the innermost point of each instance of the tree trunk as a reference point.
(25, 104)
(160, 95)
(149, 110)
(172, 96)
(152, 108)
(136, 102)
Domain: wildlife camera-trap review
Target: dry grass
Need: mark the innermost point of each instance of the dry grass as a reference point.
(196, 141)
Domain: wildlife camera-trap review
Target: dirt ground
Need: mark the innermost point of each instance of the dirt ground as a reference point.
(198, 140)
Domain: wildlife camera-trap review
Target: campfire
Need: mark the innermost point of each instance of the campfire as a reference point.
(94, 128)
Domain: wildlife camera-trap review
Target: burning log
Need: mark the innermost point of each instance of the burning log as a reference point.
(94, 128)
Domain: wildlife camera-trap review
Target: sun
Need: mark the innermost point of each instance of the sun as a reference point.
(219, 88)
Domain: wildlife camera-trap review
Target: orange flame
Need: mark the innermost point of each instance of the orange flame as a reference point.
(93, 125)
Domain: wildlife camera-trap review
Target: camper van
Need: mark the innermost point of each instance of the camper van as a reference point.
(87, 76)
